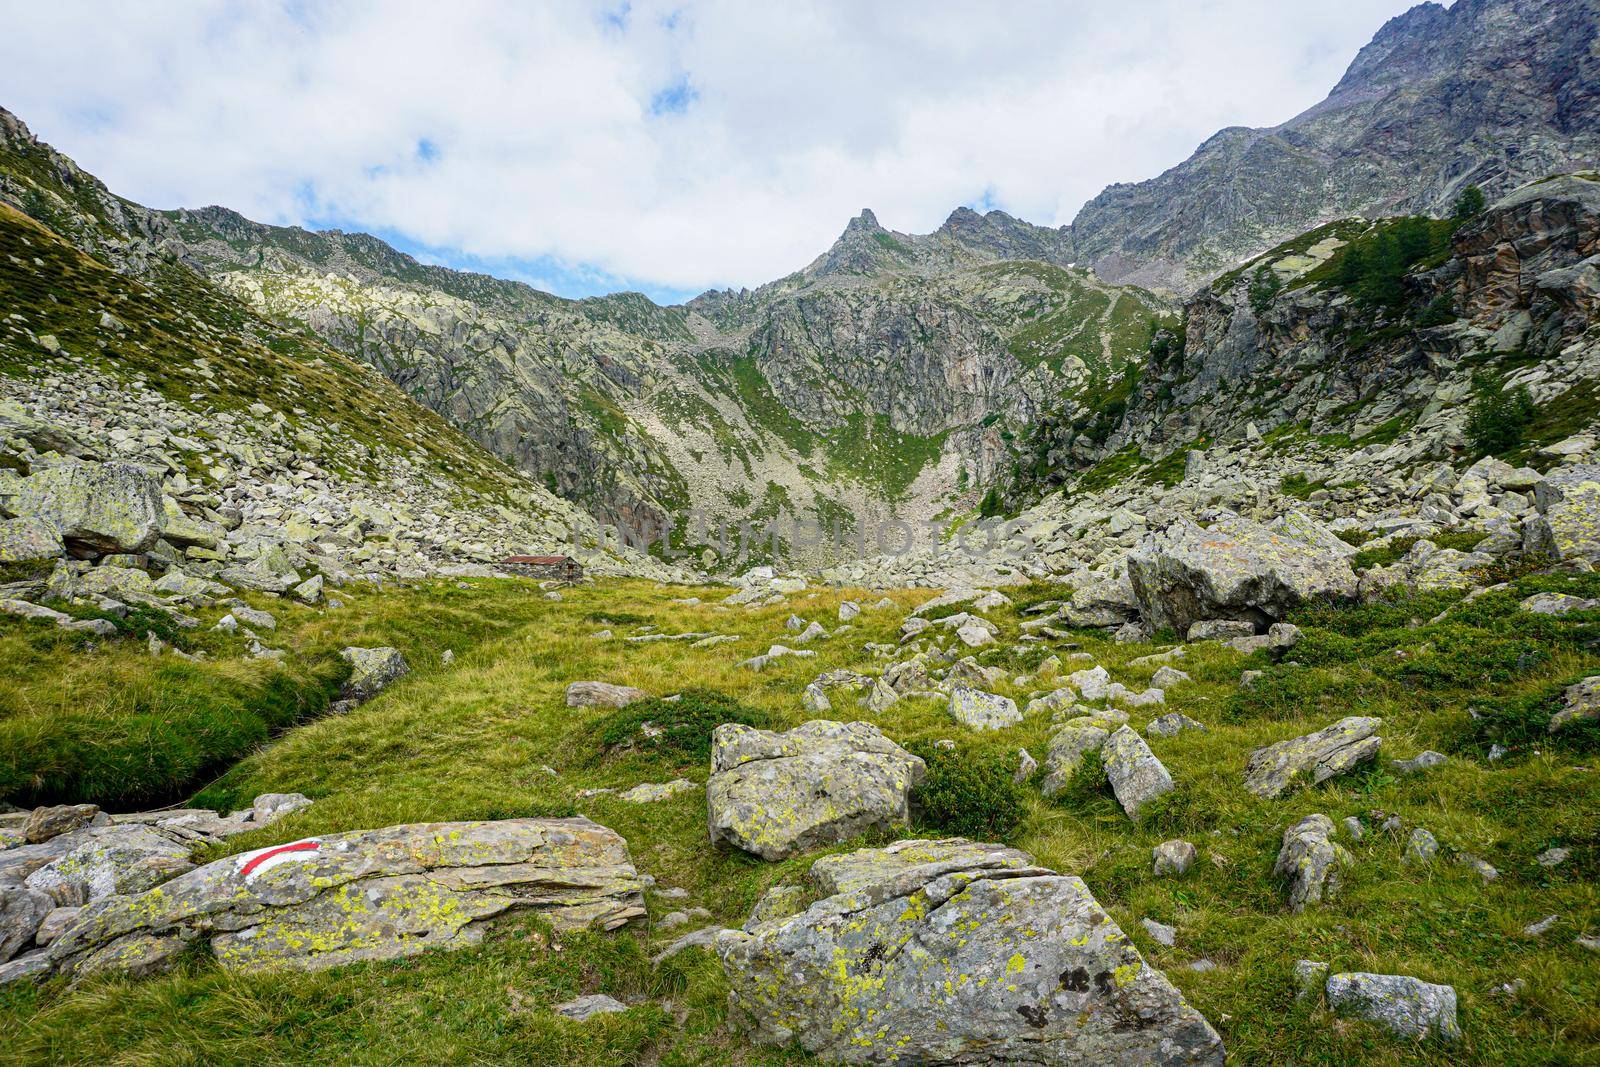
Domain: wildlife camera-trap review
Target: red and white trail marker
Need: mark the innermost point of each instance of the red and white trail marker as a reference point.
(254, 864)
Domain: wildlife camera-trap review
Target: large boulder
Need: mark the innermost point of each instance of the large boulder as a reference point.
(978, 710)
(27, 539)
(1235, 569)
(1274, 770)
(953, 952)
(1136, 776)
(1567, 525)
(372, 670)
(778, 794)
(368, 895)
(97, 507)
(107, 861)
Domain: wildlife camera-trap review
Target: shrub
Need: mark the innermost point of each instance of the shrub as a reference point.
(1524, 721)
(1264, 285)
(679, 730)
(1470, 203)
(1441, 311)
(969, 793)
(1498, 418)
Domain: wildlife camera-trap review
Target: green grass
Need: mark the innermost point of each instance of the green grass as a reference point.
(473, 739)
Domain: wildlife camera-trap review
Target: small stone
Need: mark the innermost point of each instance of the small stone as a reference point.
(1173, 857)
(602, 695)
(1353, 827)
(1136, 776)
(1484, 869)
(585, 1008)
(1163, 933)
(1312, 861)
(1553, 857)
(1421, 848)
(1172, 724)
(1026, 765)
(1421, 762)
(651, 792)
(1542, 927)
(1309, 978)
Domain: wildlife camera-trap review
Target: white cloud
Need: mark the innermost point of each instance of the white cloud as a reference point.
(542, 144)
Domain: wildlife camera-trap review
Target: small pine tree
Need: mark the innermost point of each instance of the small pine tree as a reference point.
(1468, 204)
(1498, 418)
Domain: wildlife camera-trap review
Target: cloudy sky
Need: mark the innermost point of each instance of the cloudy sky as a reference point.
(664, 147)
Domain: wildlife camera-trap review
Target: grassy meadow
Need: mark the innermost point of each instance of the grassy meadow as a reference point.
(488, 736)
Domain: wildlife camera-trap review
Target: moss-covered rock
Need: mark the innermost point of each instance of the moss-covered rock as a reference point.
(945, 952)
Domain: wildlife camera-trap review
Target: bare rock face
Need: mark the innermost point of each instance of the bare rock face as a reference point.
(1568, 522)
(953, 952)
(1372, 146)
(1310, 760)
(778, 794)
(1312, 861)
(1235, 569)
(368, 895)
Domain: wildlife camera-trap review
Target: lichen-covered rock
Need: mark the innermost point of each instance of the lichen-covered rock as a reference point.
(368, 895)
(1568, 522)
(57, 819)
(1136, 776)
(22, 912)
(96, 507)
(1579, 703)
(1408, 1006)
(28, 538)
(1312, 862)
(107, 861)
(952, 952)
(1071, 742)
(977, 710)
(1275, 769)
(1172, 724)
(372, 670)
(1236, 569)
(778, 794)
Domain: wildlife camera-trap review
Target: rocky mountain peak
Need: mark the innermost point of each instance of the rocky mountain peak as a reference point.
(1492, 93)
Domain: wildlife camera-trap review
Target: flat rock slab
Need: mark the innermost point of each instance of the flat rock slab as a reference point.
(1274, 770)
(953, 952)
(778, 794)
(368, 895)
(1407, 1006)
(603, 695)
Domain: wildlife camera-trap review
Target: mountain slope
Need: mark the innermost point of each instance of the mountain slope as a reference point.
(114, 342)
(891, 377)
(1492, 93)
